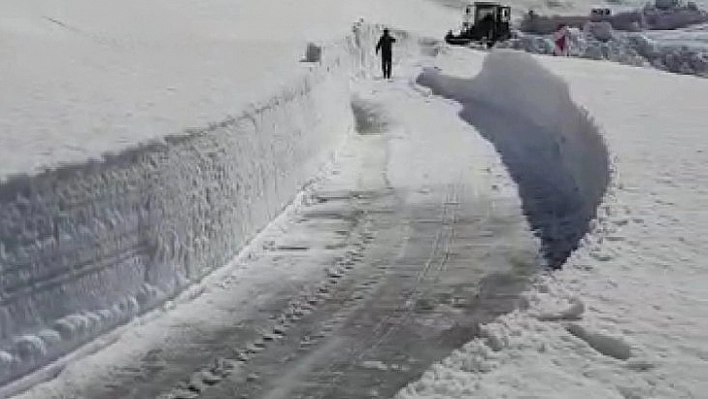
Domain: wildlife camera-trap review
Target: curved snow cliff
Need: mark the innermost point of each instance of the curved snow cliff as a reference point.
(86, 248)
(551, 146)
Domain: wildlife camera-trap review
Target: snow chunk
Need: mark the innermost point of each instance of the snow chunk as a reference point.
(607, 345)
(30, 347)
(574, 311)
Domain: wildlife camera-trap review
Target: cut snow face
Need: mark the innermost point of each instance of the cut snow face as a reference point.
(550, 146)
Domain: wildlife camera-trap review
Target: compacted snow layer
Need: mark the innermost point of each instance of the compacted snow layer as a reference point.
(88, 247)
(626, 316)
(551, 147)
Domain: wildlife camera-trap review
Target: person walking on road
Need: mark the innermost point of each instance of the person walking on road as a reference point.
(561, 39)
(385, 45)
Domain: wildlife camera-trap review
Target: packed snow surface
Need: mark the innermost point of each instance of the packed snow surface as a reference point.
(626, 317)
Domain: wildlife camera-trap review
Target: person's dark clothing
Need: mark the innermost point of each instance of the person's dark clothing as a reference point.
(487, 26)
(385, 45)
(386, 66)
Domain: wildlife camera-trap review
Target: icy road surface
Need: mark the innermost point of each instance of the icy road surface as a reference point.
(385, 266)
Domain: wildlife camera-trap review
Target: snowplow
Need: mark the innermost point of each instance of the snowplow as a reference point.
(484, 23)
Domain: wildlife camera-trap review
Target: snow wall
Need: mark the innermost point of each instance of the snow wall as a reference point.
(550, 145)
(86, 248)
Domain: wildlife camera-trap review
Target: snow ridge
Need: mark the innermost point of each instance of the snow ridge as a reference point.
(87, 247)
(550, 145)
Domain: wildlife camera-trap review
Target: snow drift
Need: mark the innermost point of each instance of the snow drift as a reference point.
(552, 148)
(87, 247)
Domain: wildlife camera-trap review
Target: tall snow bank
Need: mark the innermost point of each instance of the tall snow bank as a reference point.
(87, 247)
(550, 145)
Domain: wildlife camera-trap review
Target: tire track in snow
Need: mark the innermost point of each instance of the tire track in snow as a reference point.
(384, 329)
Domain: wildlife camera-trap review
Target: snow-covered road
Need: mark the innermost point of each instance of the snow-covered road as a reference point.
(389, 263)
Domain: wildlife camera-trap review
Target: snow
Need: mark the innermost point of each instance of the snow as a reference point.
(94, 243)
(695, 36)
(626, 317)
(144, 143)
(681, 52)
(561, 7)
(87, 248)
(82, 78)
(554, 151)
(672, 40)
(395, 138)
(177, 130)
